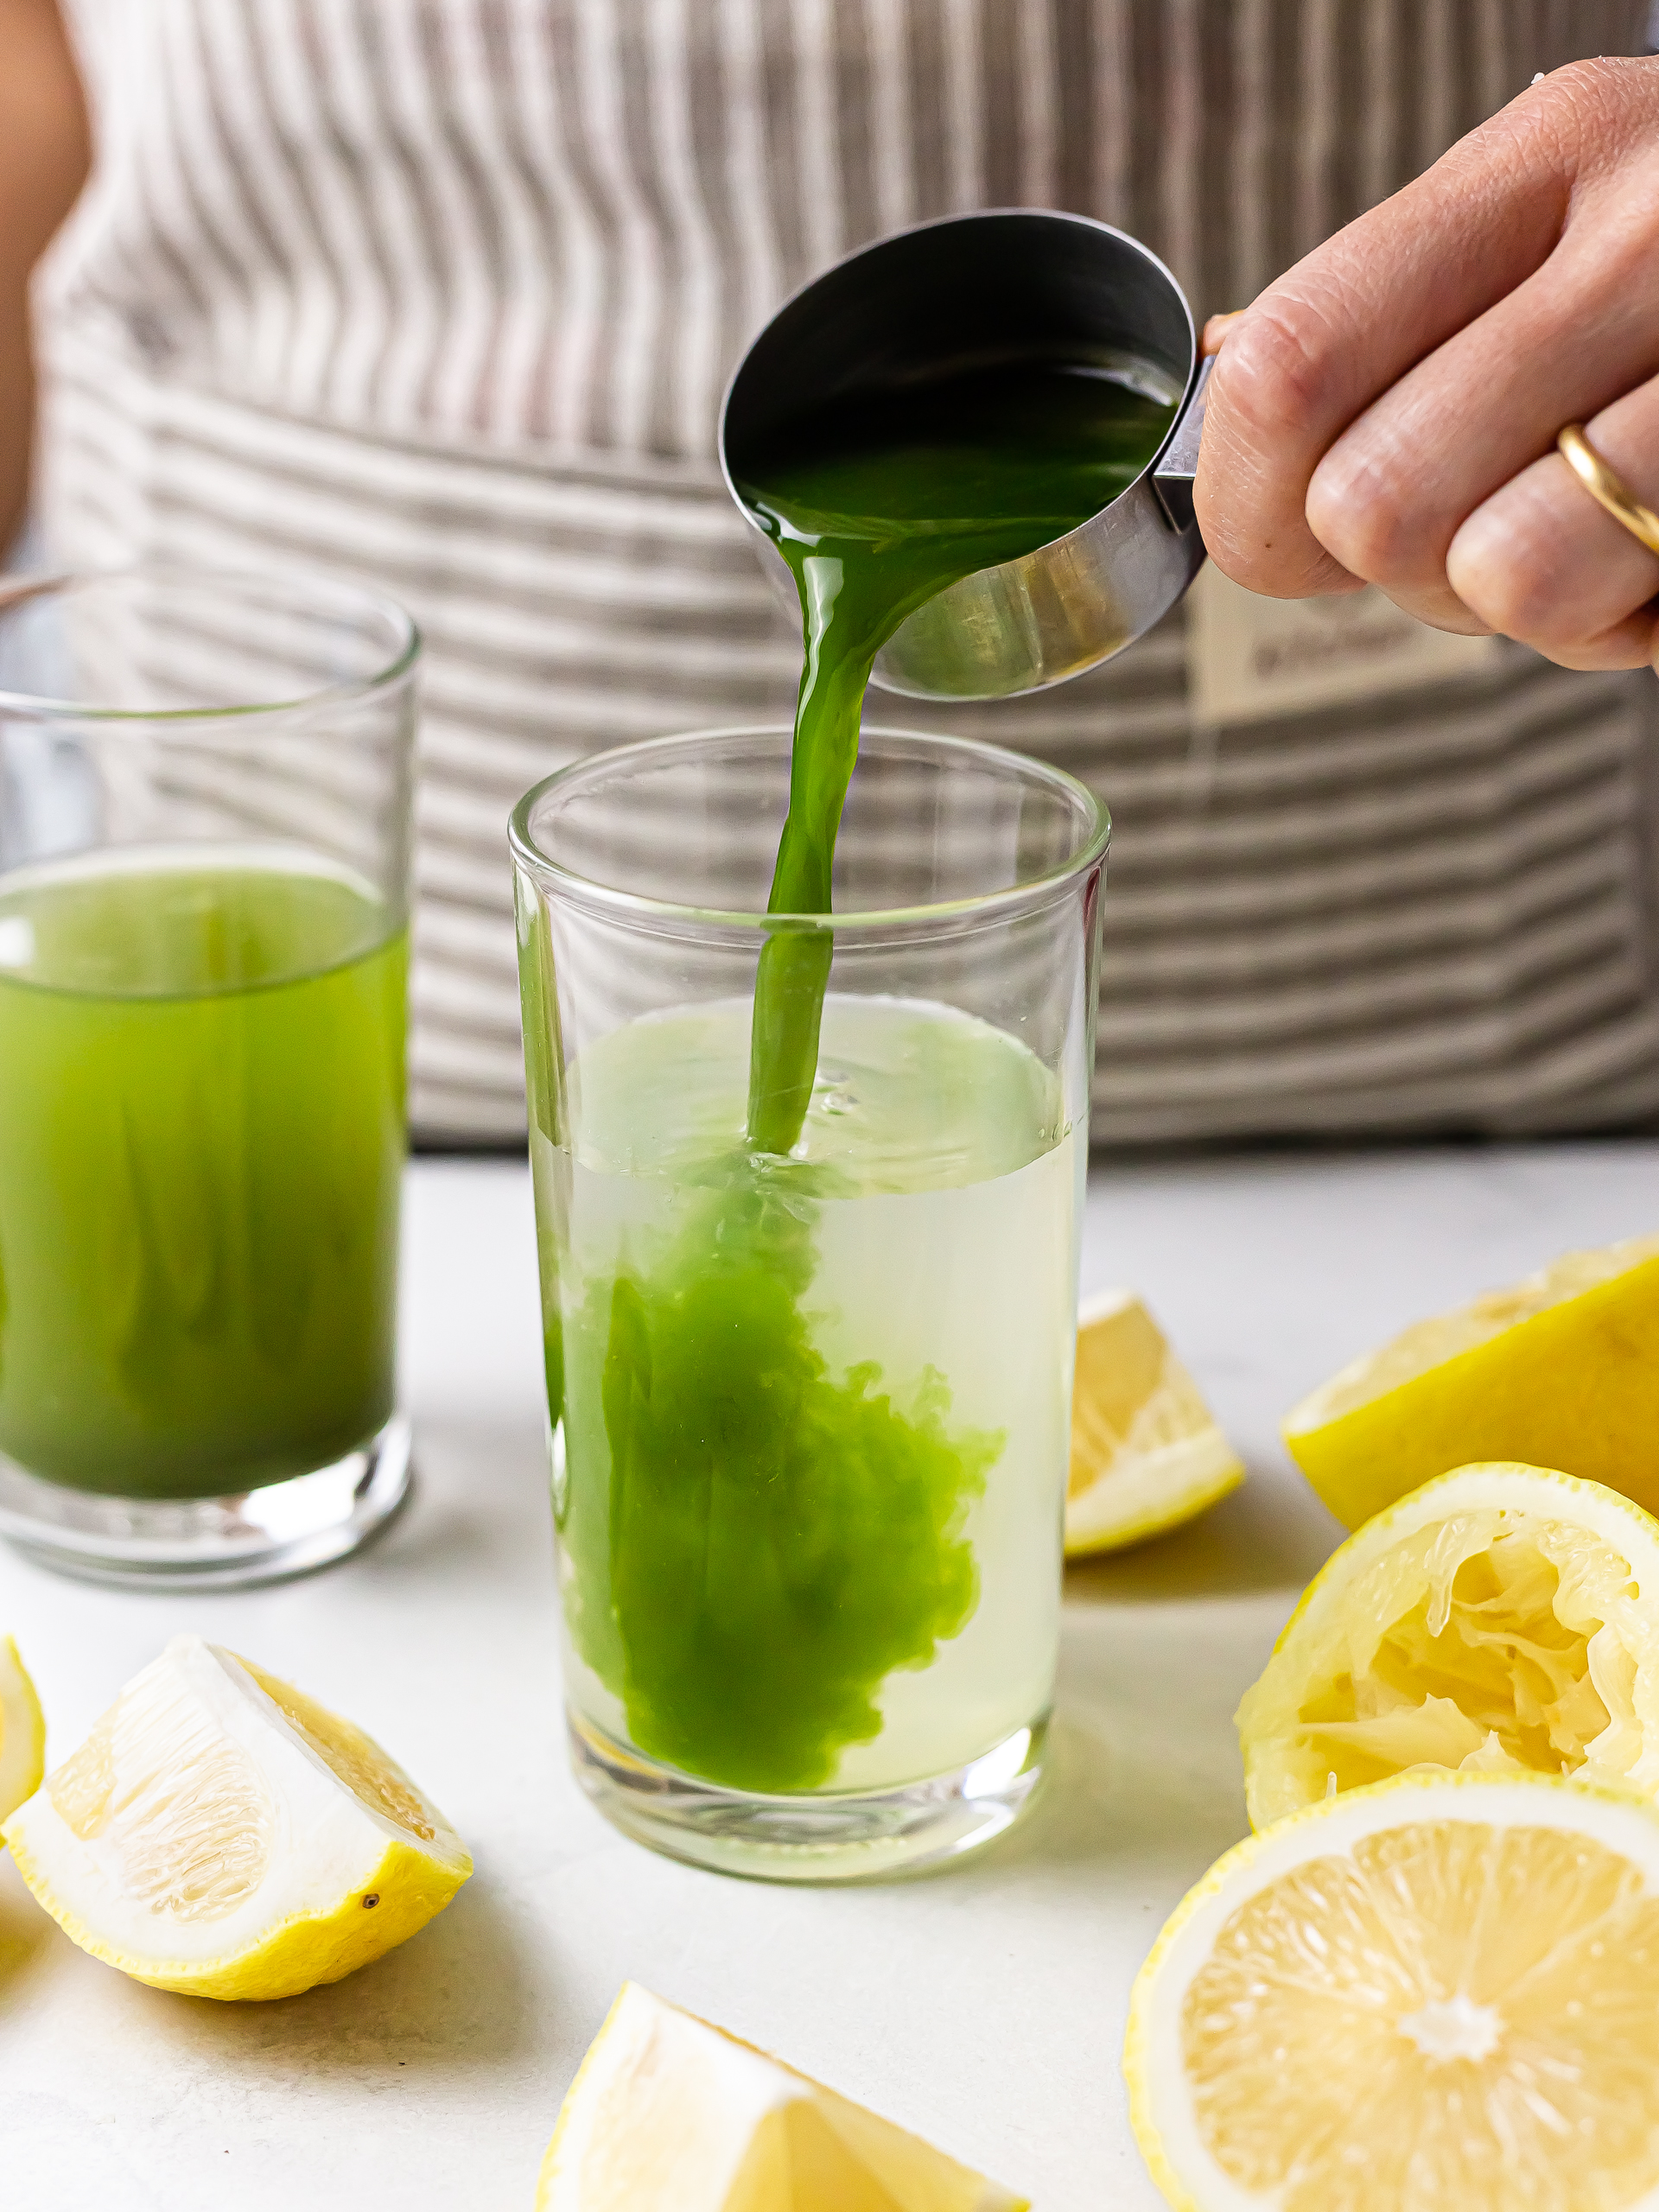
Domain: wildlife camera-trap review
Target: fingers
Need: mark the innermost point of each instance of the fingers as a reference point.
(1539, 561)
(1317, 349)
(1251, 488)
(1397, 484)
(1216, 329)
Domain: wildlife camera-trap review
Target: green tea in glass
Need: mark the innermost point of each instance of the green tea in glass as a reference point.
(204, 854)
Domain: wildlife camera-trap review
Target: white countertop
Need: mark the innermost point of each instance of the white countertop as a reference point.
(984, 2007)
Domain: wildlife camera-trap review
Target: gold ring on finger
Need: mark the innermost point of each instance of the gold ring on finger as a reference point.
(1607, 488)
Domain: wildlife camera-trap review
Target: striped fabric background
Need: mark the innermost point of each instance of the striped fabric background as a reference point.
(442, 293)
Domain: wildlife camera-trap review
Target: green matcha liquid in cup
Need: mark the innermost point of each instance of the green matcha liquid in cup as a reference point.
(876, 505)
(204, 835)
(811, 1403)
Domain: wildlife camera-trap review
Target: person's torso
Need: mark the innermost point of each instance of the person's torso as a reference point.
(441, 295)
(555, 222)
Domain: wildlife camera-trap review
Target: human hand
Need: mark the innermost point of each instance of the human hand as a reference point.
(45, 151)
(1387, 411)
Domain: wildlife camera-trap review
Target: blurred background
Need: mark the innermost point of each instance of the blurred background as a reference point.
(440, 295)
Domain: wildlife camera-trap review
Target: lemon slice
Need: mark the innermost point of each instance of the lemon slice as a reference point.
(669, 2114)
(23, 1731)
(1437, 1992)
(1502, 1619)
(1562, 1369)
(1145, 1451)
(218, 1833)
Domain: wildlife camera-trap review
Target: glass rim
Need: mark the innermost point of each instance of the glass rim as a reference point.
(640, 906)
(18, 591)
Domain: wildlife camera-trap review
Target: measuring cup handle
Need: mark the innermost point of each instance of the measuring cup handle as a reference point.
(1172, 478)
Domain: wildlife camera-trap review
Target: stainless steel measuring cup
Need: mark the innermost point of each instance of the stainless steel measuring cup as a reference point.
(976, 288)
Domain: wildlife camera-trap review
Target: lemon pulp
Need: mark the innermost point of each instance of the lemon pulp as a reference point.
(1503, 1619)
(1449, 2014)
(1489, 1658)
(668, 2114)
(1146, 1454)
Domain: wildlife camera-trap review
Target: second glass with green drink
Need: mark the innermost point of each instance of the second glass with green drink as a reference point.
(810, 1402)
(204, 859)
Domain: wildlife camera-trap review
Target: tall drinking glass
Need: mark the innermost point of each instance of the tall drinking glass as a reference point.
(811, 1411)
(204, 894)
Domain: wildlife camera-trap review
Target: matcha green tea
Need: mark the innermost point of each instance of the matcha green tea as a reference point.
(876, 506)
(811, 1321)
(202, 1133)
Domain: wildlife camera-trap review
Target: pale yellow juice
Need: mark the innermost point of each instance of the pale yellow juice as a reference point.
(814, 1409)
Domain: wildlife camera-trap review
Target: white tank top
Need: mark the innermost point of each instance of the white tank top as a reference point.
(442, 293)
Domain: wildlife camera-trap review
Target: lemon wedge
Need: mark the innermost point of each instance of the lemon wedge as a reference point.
(669, 2114)
(1503, 1619)
(23, 1731)
(1562, 1369)
(1145, 1451)
(220, 1834)
(1435, 1992)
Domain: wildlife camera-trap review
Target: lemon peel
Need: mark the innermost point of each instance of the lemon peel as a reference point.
(1560, 1370)
(23, 1731)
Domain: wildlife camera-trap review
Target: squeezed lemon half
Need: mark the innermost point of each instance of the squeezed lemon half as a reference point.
(1145, 1451)
(1562, 1370)
(220, 1833)
(23, 1731)
(669, 2114)
(1436, 1993)
(1502, 1619)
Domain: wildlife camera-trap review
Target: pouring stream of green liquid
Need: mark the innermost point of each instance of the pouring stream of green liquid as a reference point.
(877, 505)
(758, 1542)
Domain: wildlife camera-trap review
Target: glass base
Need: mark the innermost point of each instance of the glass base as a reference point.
(863, 1837)
(211, 1543)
